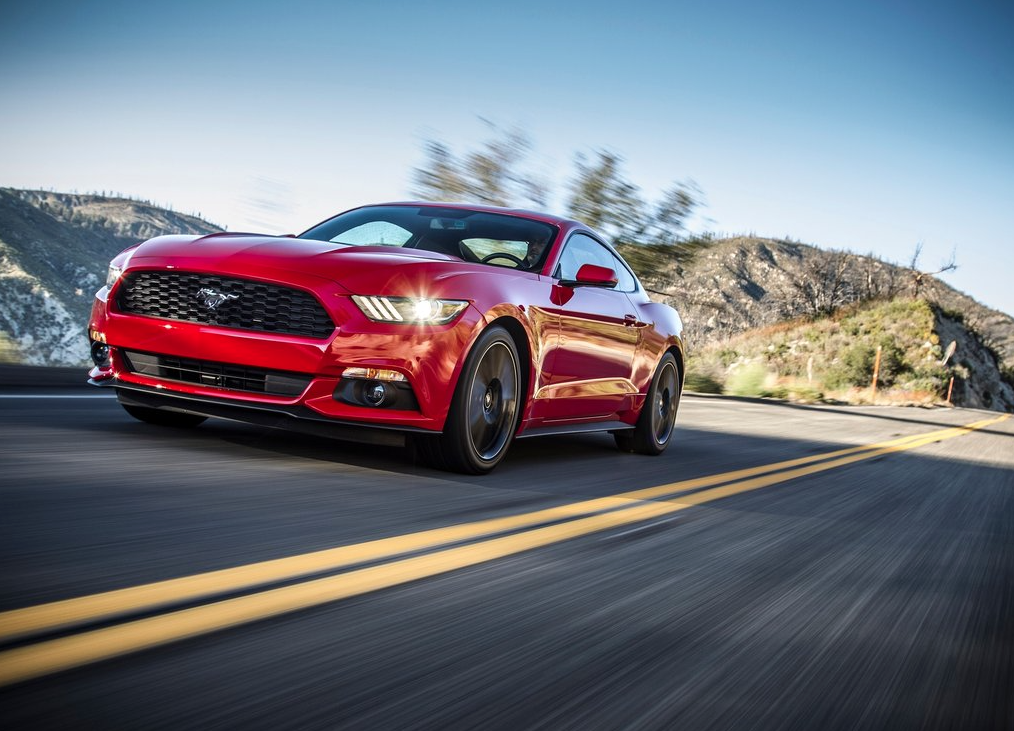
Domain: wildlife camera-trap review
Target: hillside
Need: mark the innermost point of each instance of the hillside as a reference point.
(54, 249)
(832, 358)
(732, 285)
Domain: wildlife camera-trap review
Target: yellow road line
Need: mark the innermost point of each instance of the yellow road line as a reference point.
(68, 652)
(717, 493)
(54, 615)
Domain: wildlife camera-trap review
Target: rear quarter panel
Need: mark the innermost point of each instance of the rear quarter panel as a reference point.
(663, 331)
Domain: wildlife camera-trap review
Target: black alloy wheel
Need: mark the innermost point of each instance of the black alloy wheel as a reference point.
(657, 420)
(485, 409)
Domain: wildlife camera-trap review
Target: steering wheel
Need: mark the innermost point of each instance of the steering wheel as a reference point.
(466, 253)
(502, 255)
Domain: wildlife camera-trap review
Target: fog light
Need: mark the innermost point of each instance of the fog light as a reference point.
(377, 374)
(100, 353)
(374, 393)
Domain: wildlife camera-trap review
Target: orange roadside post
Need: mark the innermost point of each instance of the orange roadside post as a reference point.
(876, 375)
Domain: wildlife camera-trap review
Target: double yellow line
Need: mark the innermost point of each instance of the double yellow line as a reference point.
(537, 529)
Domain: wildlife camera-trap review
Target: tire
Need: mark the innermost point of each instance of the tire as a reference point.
(162, 417)
(657, 419)
(484, 411)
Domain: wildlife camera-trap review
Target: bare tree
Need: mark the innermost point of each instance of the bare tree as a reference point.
(877, 281)
(822, 284)
(920, 277)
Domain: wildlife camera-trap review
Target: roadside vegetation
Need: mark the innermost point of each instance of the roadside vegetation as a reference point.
(832, 358)
(8, 350)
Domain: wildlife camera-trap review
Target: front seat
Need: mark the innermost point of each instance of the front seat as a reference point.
(442, 244)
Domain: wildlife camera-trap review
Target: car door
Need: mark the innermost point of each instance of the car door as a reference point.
(591, 365)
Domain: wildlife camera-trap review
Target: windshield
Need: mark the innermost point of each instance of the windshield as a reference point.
(475, 236)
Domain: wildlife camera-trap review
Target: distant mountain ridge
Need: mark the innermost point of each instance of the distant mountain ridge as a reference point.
(737, 284)
(54, 249)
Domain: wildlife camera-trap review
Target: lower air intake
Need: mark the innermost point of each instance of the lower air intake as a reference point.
(216, 375)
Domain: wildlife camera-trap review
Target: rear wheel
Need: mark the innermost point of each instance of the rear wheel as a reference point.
(658, 415)
(162, 417)
(484, 411)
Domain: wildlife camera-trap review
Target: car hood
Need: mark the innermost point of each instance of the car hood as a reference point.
(358, 269)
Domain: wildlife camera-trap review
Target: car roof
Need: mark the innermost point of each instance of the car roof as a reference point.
(517, 212)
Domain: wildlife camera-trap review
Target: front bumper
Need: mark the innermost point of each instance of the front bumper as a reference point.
(429, 357)
(290, 418)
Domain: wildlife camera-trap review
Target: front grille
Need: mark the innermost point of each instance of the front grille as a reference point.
(218, 375)
(223, 301)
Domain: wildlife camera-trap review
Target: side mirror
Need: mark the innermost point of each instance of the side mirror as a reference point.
(592, 275)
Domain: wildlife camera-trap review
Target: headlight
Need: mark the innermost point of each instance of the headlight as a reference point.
(112, 275)
(410, 310)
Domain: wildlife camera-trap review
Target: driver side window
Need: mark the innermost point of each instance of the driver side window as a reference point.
(582, 249)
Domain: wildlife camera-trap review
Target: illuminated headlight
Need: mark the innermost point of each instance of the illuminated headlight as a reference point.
(410, 310)
(113, 274)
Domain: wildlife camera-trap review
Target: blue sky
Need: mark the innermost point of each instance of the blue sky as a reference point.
(869, 126)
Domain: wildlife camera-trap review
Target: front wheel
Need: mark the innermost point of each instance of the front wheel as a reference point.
(484, 411)
(658, 415)
(162, 417)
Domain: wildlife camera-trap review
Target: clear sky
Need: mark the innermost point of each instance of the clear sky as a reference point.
(868, 126)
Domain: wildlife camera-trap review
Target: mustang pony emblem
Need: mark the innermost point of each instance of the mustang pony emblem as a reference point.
(212, 300)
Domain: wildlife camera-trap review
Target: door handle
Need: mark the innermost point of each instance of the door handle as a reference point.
(630, 320)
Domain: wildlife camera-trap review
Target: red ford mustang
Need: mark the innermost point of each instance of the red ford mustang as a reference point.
(460, 327)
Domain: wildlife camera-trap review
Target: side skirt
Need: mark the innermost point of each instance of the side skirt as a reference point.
(596, 426)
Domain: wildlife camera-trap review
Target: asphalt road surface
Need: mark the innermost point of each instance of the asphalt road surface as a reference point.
(779, 567)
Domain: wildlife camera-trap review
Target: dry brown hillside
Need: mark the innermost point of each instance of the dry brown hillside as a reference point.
(832, 358)
(733, 285)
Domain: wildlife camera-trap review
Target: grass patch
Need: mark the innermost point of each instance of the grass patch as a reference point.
(749, 379)
(702, 383)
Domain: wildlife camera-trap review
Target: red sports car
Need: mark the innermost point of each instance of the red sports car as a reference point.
(459, 327)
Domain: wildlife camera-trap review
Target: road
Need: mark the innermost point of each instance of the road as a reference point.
(779, 567)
